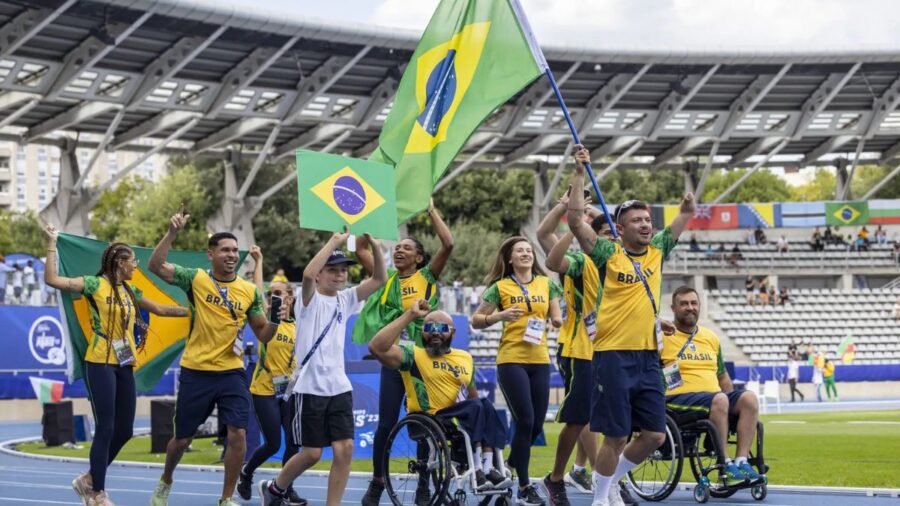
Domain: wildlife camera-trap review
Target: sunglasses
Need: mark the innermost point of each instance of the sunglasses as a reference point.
(628, 204)
(437, 328)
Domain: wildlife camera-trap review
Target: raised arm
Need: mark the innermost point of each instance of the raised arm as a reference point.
(256, 317)
(364, 254)
(318, 263)
(50, 270)
(556, 258)
(545, 236)
(582, 231)
(439, 260)
(158, 264)
(379, 276)
(160, 309)
(382, 346)
(680, 222)
(256, 254)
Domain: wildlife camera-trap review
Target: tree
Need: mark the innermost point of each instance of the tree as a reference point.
(113, 205)
(474, 248)
(21, 233)
(762, 186)
(821, 187)
(867, 176)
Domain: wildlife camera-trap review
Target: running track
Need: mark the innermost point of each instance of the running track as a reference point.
(30, 481)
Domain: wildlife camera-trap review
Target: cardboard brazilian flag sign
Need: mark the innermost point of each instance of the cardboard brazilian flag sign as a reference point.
(337, 190)
(473, 57)
(846, 213)
(79, 256)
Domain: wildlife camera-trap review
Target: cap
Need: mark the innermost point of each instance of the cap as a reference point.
(338, 257)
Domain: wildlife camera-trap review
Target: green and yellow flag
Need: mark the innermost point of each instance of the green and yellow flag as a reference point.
(334, 191)
(846, 213)
(473, 57)
(79, 256)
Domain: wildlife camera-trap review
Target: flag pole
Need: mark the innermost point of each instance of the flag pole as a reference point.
(587, 165)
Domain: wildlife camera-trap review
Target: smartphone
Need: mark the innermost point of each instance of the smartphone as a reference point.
(274, 309)
(587, 193)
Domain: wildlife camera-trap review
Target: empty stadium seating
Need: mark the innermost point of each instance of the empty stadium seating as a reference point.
(823, 317)
(798, 256)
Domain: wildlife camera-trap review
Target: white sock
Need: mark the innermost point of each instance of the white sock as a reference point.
(487, 462)
(740, 460)
(623, 467)
(601, 485)
(478, 455)
(577, 468)
(728, 461)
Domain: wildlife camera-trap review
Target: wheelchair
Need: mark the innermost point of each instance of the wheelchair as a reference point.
(435, 452)
(693, 436)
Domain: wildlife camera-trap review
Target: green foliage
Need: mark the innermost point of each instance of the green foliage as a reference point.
(113, 206)
(761, 186)
(21, 233)
(821, 187)
(473, 251)
(868, 176)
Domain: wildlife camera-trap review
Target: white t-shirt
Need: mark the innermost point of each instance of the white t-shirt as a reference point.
(29, 275)
(17, 279)
(817, 376)
(324, 373)
(793, 369)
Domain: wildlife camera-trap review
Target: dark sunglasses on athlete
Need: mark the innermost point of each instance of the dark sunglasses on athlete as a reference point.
(437, 328)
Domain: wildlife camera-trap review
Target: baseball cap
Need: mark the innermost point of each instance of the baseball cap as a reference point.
(338, 257)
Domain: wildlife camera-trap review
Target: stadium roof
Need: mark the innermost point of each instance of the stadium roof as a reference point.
(209, 76)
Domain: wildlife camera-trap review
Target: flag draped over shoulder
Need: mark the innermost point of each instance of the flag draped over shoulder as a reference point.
(79, 256)
(473, 57)
(385, 306)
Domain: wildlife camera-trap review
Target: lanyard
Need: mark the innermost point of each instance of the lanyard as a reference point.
(524, 290)
(224, 293)
(687, 343)
(315, 345)
(640, 275)
(126, 316)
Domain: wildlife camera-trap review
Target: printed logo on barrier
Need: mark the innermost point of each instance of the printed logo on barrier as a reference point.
(45, 340)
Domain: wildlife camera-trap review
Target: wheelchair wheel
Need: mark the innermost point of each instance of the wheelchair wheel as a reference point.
(701, 493)
(759, 492)
(656, 477)
(417, 455)
(703, 452)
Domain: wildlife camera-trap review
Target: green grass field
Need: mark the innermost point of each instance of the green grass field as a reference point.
(825, 449)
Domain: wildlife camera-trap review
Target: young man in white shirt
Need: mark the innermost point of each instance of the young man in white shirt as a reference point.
(322, 393)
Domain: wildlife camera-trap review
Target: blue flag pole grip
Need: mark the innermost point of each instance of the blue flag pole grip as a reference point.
(590, 171)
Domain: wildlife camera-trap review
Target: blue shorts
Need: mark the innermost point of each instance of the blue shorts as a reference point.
(200, 391)
(627, 392)
(694, 402)
(576, 406)
(480, 420)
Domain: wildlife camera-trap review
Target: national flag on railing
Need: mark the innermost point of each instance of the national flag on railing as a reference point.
(46, 390)
(79, 256)
(846, 350)
(473, 57)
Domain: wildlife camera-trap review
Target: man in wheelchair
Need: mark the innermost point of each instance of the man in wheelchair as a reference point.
(697, 383)
(440, 381)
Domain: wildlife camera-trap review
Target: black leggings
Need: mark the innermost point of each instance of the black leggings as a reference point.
(113, 398)
(390, 398)
(526, 388)
(793, 384)
(274, 416)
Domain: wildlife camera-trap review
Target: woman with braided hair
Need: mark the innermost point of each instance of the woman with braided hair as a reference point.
(110, 358)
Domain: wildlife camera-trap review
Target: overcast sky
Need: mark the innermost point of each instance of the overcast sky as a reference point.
(788, 25)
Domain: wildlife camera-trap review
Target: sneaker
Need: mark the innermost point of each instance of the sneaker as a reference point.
(293, 499)
(625, 494)
(245, 486)
(423, 495)
(481, 483)
(749, 472)
(101, 499)
(160, 495)
(580, 480)
(600, 502)
(614, 498)
(266, 496)
(529, 497)
(498, 480)
(556, 492)
(229, 502)
(373, 493)
(82, 488)
(733, 475)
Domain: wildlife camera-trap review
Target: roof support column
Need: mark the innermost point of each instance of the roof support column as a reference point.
(68, 211)
(235, 214)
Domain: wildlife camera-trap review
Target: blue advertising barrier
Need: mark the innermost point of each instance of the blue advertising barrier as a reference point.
(842, 372)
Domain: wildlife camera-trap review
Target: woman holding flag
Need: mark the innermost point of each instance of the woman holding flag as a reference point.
(414, 276)
(111, 354)
(277, 360)
(521, 295)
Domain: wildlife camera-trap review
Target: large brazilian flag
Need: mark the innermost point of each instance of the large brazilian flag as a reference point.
(473, 57)
(79, 256)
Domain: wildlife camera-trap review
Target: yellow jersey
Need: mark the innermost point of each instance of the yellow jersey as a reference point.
(626, 320)
(506, 293)
(700, 365)
(828, 370)
(213, 329)
(580, 290)
(276, 358)
(107, 318)
(421, 285)
(435, 383)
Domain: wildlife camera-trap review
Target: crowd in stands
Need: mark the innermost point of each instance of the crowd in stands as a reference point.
(759, 292)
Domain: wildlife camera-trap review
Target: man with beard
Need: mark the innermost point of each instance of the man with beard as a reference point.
(434, 376)
(696, 380)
